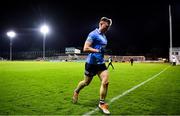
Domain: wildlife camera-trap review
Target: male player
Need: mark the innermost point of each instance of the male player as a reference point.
(110, 62)
(131, 60)
(95, 44)
(174, 60)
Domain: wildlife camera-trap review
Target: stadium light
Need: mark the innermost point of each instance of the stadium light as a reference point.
(170, 34)
(44, 30)
(11, 35)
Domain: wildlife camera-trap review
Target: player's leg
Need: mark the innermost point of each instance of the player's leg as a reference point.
(103, 75)
(83, 83)
(89, 73)
(80, 86)
(108, 65)
(112, 66)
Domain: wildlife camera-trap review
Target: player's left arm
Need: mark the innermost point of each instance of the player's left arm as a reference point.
(88, 48)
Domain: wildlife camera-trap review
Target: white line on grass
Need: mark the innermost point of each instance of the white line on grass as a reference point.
(128, 91)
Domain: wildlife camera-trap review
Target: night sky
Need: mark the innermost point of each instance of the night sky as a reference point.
(139, 28)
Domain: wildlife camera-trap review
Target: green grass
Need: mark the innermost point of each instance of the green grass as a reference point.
(46, 88)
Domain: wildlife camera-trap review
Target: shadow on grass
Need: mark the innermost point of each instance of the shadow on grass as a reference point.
(88, 103)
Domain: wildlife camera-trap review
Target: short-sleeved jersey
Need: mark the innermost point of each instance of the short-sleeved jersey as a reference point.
(98, 41)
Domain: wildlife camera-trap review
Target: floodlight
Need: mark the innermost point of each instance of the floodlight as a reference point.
(11, 35)
(44, 30)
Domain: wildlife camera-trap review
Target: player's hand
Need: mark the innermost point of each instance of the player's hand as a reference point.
(101, 50)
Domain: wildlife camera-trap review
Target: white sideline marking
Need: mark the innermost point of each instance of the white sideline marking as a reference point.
(128, 91)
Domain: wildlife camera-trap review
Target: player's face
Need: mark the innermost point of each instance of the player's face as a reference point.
(104, 26)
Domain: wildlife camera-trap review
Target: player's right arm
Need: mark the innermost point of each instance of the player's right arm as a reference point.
(88, 48)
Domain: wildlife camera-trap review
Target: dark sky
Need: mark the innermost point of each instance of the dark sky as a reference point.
(138, 28)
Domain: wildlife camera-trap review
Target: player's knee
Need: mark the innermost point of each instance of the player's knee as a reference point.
(105, 83)
(86, 83)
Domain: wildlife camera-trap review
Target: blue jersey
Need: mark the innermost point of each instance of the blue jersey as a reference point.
(98, 41)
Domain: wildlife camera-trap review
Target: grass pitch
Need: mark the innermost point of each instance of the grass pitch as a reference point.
(46, 88)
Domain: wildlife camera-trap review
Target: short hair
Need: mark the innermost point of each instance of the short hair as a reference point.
(108, 20)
